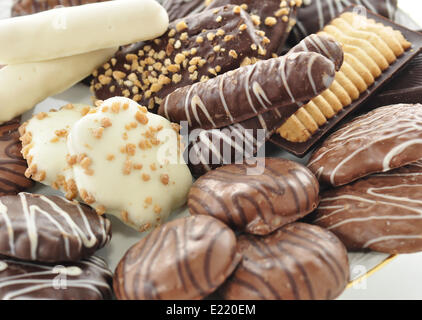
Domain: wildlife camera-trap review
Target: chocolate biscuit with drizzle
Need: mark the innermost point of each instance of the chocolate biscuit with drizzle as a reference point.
(49, 228)
(297, 262)
(88, 279)
(382, 212)
(195, 49)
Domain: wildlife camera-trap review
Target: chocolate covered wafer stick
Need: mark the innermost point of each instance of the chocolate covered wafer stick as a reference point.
(248, 91)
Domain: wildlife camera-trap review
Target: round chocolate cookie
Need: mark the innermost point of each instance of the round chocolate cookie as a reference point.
(297, 262)
(12, 164)
(49, 228)
(384, 139)
(259, 204)
(184, 259)
(88, 279)
(382, 212)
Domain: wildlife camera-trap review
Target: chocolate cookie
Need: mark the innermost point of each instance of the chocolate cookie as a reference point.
(25, 7)
(386, 138)
(195, 48)
(315, 14)
(184, 259)
(297, 262)
(88, 279)
(177, 9)
(274, 17)
(12, 165)
(382, 212)
(49, 228)
(248, 91)
(259, 204)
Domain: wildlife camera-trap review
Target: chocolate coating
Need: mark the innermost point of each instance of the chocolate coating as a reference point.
(12, 165)
(248, 91)
(382, 212)
(383, 139)
(25, 7)
(88, 279)
(177, 9)
(297, 262)
(258, 204)
(195, 48)
(277, 30)
(184, 259)
(315, 14)
(49, 228)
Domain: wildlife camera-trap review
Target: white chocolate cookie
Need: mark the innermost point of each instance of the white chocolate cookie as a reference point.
(44, 139)
(126, 164)
(22, 86)
(65, 32)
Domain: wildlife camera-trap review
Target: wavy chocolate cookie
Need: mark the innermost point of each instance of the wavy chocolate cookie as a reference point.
(184, 259)
(382, 212)
(315, 14)
(12, 165)
(195, 49)
(259, 204)
(88, 279)
(25, 7)
(49, 228)
(384, 139)
(297, 262)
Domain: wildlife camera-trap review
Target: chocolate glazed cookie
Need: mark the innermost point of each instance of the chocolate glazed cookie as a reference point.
(12, 165)
(297, 262)
(184, 259)
(25, 7)
(49, 228)
(259, 204)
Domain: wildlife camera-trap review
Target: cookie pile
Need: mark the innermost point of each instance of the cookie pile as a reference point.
(49, 238)
(373, 163)
(273, 257)
(84, 151)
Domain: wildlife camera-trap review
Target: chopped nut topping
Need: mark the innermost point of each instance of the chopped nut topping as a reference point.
(41, 115)
(98, 132)
(180, 26)
(164, 179)
(145, 177)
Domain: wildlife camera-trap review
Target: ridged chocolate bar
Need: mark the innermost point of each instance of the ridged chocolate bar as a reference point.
(301, 149)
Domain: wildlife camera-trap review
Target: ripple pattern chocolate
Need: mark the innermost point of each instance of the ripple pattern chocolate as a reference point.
(184, 259)
(382, 212)
(88, 279)
(384, 139)
(25, 7)
(259, 204)
(274, 17)
(49, 228)
(297, 262)
(248, 91)
(12, 164)
(177, 9)
(196, 48)
(315, 14)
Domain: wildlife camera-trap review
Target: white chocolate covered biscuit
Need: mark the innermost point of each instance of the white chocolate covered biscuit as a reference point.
(22, 86)
(64, 32)
(44, 139)
(125, 162)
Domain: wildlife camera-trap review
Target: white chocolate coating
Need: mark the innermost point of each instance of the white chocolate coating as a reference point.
(22, 86)
(64, 32)
(47, 147)
(123, 166)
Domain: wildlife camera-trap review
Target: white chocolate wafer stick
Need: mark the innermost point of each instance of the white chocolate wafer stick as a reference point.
(64, 32)
(22, 86)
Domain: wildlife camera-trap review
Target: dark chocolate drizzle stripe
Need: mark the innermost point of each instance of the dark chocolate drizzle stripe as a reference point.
(138, 266)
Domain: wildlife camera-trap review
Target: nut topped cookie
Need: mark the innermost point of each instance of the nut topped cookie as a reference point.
(49, 228)
(382, 212)
(386, 138)
(259, 204)
(195, 48)
(12, 165)
(121, 144)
